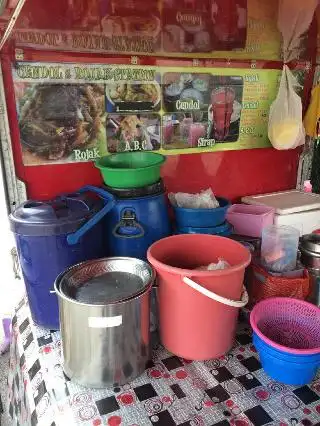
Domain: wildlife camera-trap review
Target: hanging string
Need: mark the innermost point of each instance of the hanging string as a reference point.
(315, 169)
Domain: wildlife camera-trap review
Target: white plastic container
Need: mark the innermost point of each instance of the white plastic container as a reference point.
(279, 248)
(294, 208)
(250, 220)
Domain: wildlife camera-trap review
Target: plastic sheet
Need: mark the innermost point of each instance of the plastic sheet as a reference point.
(203, 200)
(221, 264)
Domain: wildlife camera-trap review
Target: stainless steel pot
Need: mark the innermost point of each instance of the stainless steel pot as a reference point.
(310, 258)
(104, 320)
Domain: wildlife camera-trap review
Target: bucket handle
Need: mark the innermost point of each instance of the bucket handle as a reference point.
(229, 302)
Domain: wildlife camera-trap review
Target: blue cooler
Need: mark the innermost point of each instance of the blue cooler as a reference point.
(50, 237)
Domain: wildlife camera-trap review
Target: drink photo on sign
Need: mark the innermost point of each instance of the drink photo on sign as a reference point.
(200, 109)
(225, 108)
(205, 26)
(185, 130)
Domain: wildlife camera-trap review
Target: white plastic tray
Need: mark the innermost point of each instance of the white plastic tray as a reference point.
(286, 202)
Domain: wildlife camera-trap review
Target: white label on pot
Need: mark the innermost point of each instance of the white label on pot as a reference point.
(104, 322)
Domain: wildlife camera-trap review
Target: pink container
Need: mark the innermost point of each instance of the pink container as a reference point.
(250, 220)
(198, 310)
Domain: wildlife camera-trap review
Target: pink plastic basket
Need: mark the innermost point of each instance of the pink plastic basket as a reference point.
(289, 325)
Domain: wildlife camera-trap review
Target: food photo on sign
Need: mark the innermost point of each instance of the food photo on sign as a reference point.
(134, 96)
(60, 122)
(135, 132)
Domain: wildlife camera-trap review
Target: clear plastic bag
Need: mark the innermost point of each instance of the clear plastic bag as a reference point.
(204, 200)
(286, 130)
(221, 264)
(294, 19)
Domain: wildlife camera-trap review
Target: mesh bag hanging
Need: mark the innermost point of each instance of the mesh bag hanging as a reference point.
(285, 129)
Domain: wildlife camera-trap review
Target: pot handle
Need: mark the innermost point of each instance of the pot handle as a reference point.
(229, 302)
(73, 238)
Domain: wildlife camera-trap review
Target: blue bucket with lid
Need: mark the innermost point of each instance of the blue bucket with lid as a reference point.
(50, 237)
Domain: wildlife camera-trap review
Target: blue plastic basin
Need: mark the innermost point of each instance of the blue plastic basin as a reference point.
(202, 218)
(285, 367)
(224, 230)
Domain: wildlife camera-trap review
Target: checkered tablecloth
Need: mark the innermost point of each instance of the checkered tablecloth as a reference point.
(231, 390)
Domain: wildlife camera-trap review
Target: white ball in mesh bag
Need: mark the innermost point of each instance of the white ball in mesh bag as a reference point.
(285, 129)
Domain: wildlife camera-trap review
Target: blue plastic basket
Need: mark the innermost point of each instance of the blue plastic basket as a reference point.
(286, 334)
(202, 218)
(286, 367)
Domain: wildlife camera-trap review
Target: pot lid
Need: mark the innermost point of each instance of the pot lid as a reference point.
(105, 281)
(310, 242)
(61, 215)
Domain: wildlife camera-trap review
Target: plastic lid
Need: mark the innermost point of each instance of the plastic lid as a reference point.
(148, 190)
(311, 242)
(286, 202)
(104, 281)
(61, 215)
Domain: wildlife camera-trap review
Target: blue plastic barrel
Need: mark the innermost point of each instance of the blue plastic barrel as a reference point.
(50, 237)
(138, 219)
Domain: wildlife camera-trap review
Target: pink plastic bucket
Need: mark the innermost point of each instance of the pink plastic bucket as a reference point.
(198, 310)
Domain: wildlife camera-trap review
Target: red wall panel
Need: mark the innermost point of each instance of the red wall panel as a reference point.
(231, 174)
